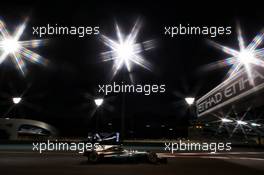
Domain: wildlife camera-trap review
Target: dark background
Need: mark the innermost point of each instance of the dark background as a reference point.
(56, 94)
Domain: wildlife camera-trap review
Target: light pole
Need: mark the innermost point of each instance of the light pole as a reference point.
(191, 107)
(98, 102)
(16, 101)
(190, 102)
(125, 51)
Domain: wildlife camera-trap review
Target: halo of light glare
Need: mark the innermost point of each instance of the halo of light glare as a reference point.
(244, 57)
(18, 51)
(10, 45)
(237, 124)
(125, 51)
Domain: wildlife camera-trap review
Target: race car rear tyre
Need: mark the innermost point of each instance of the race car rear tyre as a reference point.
(152, 158)
(93, 157)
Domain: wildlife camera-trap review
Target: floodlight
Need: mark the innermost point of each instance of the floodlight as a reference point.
(17, 100)
(225, 120)
(255, 124)
(240, 122)
(98, 101)
(189, 100)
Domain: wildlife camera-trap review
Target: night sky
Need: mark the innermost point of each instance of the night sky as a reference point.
(57, 93)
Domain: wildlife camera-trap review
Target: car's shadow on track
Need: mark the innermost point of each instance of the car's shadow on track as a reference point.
(119, 162)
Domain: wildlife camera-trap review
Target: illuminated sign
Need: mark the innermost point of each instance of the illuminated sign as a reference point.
(231, 90)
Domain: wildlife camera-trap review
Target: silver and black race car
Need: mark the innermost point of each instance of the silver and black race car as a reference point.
(115, 153)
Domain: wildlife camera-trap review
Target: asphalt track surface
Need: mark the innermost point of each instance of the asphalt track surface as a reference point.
(32, 163)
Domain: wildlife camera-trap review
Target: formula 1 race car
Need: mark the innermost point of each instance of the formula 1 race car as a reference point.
(116, 153)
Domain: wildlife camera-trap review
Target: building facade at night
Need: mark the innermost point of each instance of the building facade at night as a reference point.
(20, 129)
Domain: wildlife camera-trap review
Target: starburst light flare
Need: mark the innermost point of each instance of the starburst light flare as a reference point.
(18, 51)
(125, 51)
(243, 58)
